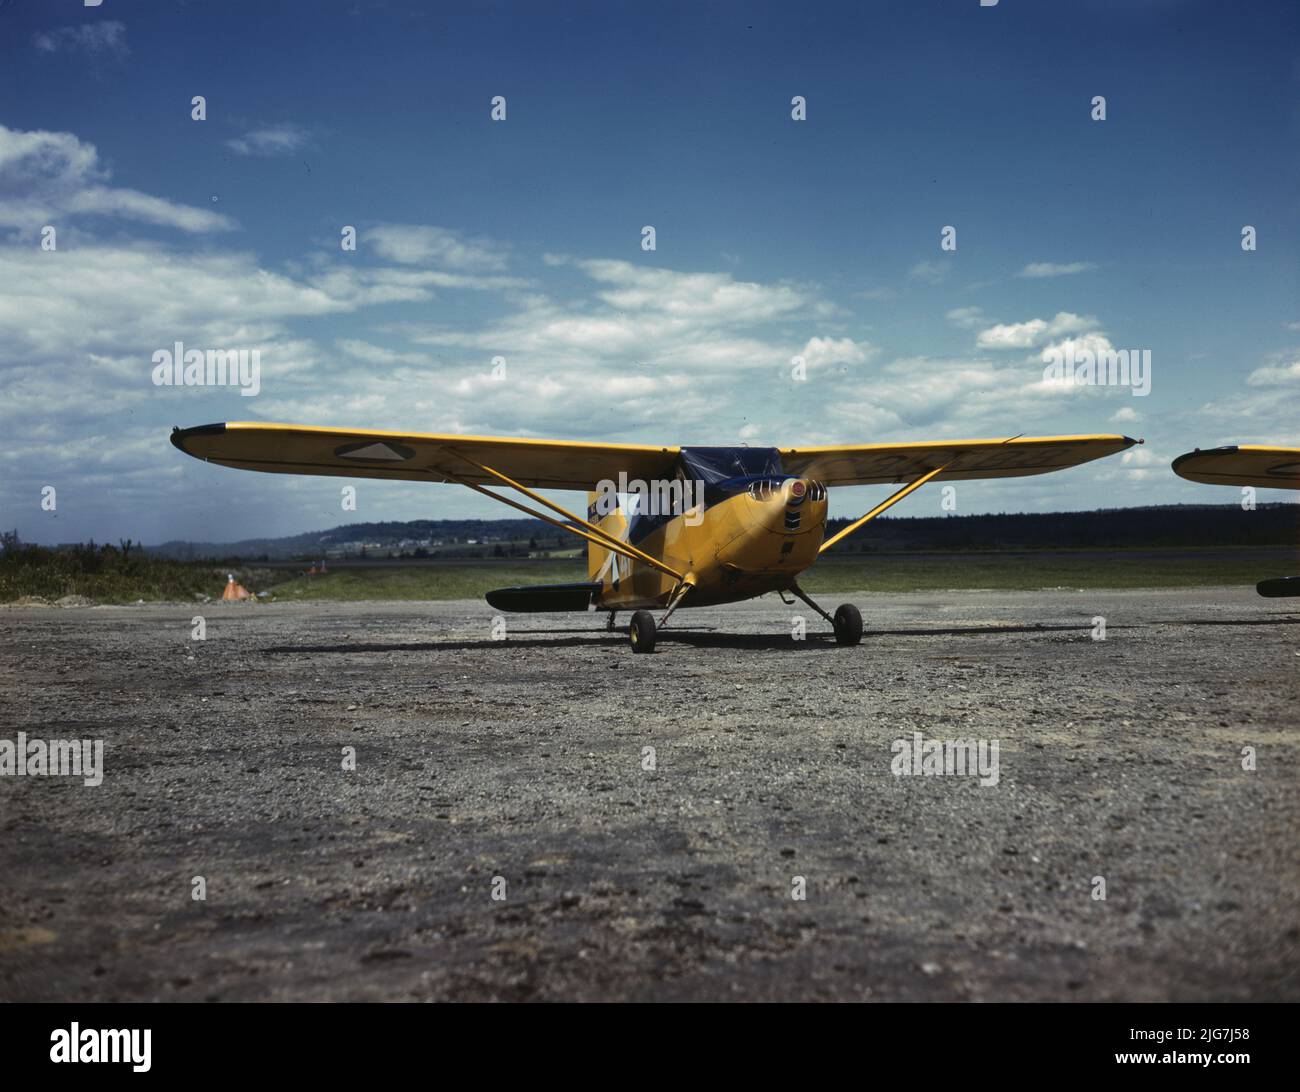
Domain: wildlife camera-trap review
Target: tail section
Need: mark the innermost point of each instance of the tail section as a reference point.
(602, 564)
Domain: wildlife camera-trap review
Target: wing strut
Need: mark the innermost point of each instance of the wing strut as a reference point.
(586, 530)
(889, 503)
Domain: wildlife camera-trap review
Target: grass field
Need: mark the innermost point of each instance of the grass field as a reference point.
(892, 572)
(447, 580)
(109, 579)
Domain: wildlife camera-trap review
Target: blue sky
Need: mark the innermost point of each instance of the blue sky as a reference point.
(522, 238)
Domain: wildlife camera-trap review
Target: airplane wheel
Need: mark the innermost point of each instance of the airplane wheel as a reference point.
(642, 631)
(848, 624)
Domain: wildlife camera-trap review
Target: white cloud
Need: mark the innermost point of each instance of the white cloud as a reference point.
(714, 297)
(376, 354)
(929, 272)
(1027, 335)
(59, 310)
(271, 140)
(966, 317)
(45, 176)
(822, 352)
(1093, 342)
(1279, 372)
(1019, 335)
(424, 244)
(628, 351)
(1125, 415)
(1055, 269)
(925, 397)
(100, 39)
(1141, 464)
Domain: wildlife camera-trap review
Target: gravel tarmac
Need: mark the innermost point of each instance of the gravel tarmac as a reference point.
(518, 768)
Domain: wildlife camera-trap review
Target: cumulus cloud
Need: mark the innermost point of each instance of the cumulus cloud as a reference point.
(1093, 342)
(945, 397)
(1027, 335)
(45, 176)
(1142, 465)
(271, 140)
(100, 39)
(966, 317)
(377, 354)
(107, 298)
(930, 272)
(1280, 372)
(425, 244)
(824, 351)
(1055, 269)
(1018, 335)
(707, 296)
(623, 350)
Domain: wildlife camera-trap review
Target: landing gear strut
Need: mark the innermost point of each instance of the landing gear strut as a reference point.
(847, 622)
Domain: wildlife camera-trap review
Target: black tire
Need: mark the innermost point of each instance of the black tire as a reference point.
(642, 631)
(848, 624)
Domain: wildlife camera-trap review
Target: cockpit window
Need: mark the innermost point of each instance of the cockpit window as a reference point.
(712, 465)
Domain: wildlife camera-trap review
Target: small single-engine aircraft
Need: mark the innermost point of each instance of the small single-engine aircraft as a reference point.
(1258, 465)
(732, 522)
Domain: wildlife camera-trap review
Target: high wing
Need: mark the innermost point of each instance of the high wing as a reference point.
(567, 464)
(416, 456)
(962, 460)
(1246, 464)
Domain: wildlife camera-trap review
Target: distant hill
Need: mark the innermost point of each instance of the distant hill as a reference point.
(1163, 525)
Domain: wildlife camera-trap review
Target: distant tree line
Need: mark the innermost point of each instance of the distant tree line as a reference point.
(1168, 525)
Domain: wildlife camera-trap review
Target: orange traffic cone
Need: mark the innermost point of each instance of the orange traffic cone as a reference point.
(235, 590)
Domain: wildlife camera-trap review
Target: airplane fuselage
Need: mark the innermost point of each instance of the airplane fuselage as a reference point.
(756, 540)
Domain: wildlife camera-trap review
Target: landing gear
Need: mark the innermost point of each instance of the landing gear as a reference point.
(847, 622)
(642, 631)
(609, 622)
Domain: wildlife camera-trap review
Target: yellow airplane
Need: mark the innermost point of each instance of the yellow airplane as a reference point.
(1260, 465)
(710, 524)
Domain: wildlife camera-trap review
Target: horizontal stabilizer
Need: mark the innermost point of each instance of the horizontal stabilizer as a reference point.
(1280, 587)
(539, 598)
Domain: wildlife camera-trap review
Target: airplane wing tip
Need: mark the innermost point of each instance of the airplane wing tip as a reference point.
(180, 435)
